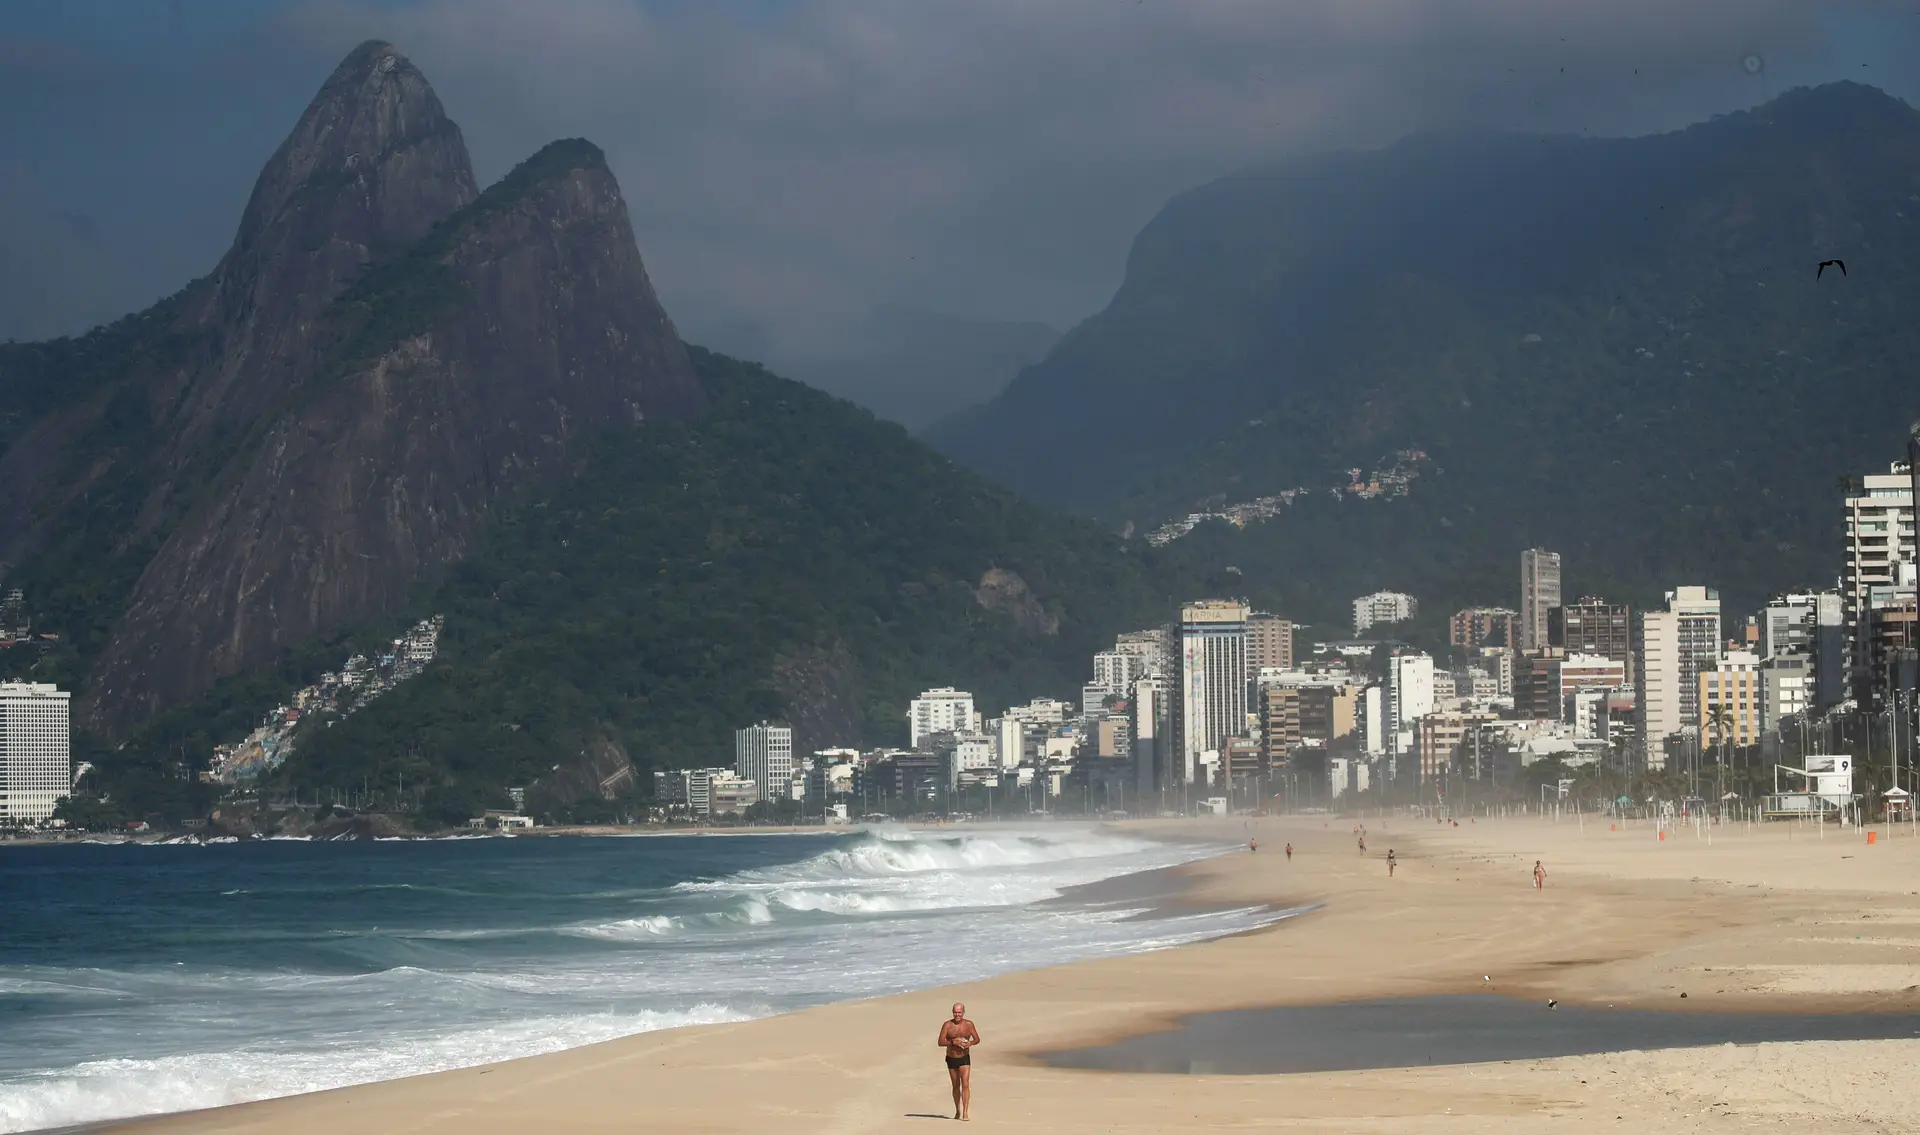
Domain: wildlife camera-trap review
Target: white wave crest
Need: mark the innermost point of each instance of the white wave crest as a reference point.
(112, 1089)
(630, 929)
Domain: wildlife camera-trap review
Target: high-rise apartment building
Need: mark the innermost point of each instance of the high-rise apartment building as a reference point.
(1269, 643)
(1279, 721)
(1879, 535)
(36, 750)
(1117, 670)
(1149, 710)
(1697, 612)
(1730, 688)
(1594, 626)
(1439, 739)
(763, 753)
(1476, 627)
(1572, 674)
(1786, 688)
(1383, 607)
(1539, 593)
(1786, 625)
(1213, 679)
(1409, 697)
(1154, 647)
(942, 710)
(1657, 662)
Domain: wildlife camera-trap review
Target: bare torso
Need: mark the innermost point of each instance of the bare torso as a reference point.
(958, 1036)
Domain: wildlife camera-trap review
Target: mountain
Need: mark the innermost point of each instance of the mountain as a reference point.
(279, 451)
(916, 367)
(782, 556)
(1613, 347)
(400, 396)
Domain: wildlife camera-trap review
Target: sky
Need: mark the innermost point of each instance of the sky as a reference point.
(792, 164)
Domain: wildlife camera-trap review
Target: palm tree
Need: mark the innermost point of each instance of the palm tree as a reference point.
(1720, 723)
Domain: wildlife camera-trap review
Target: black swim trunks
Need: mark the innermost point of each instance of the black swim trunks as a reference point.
(960, 1061)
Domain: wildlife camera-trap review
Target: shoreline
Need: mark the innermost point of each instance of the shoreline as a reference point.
(1619, 924)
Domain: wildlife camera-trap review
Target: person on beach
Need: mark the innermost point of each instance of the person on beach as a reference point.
(1289, 853)
(1253, 845)
(1539, 876)
(1363, 845)
(958, 1036)
(1391, 863)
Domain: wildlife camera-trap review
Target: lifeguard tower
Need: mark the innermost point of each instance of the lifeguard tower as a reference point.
(1821, 787)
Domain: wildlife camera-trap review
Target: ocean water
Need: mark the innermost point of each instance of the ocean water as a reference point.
(143, 979)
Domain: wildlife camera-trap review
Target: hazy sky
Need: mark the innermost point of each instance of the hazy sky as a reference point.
(791, 163)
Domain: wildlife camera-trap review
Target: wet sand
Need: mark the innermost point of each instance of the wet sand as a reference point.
(1767, 922)
(1412, 1032)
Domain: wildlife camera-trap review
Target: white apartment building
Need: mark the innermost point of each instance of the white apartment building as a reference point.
(1046, 712)
(1409, 697)
(942, 710)
(1382, 607)
(971, 753)
(1117, 670)
(1009, 741)
(1151, 647)
(1657, 662)
(1697, 612)
(1539, 593)
(1373, 720)
(1213, 679)
(36, 751)
(1880, 534)
(763, 753)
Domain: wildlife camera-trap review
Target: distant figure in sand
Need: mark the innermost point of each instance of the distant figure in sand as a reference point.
(1253, 845)
(1363, 845)
(958, 1036)
(1289, 853)
(1539, 876)
(1391, 863)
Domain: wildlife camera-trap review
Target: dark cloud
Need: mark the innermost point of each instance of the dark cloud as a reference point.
(789, 166)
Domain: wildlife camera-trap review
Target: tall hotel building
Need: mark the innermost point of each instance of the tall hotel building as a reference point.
(1539, 593)
(1880, 534)
(36, 751)
(1213, 679)
(763, 753)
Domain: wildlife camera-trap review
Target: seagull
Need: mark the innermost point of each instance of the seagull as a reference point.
(1840, 264)
(1552, 1004)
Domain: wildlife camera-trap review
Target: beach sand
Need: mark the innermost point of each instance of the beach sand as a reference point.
(1773, 920)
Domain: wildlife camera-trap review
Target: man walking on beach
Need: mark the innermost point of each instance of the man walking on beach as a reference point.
(958, 1036)
(1289, 853)
(1391, 863)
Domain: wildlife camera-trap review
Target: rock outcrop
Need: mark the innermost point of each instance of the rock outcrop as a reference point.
(382, 356)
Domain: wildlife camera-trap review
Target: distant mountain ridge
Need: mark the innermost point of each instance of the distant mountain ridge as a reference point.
(917, 367)
(1616, 347)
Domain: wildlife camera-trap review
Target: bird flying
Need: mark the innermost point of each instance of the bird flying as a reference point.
(1840, 264)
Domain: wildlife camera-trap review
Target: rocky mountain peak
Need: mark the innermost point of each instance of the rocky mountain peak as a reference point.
(374, 149)
(372, 165)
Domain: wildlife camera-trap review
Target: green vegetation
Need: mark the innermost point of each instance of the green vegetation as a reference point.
(786, 555)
